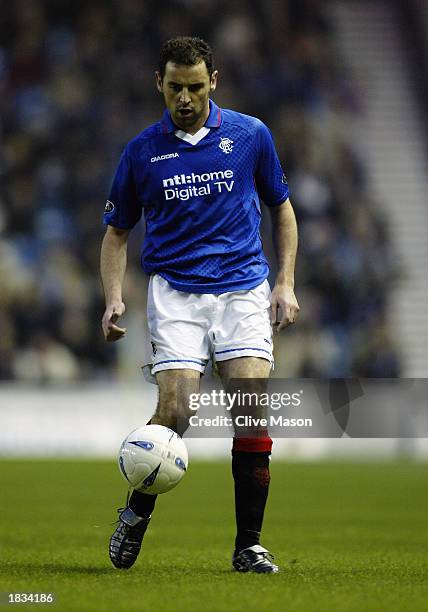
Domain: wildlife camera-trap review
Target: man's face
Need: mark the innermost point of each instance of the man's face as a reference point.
(186, 90)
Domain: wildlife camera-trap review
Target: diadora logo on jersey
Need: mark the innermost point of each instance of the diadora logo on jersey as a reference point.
(162, 157)
(109, 207)
(226, 145)
(198, 184)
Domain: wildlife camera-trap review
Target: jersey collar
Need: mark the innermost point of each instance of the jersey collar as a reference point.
(213, 121)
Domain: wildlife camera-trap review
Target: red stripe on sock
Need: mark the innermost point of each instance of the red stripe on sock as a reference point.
(252, 445)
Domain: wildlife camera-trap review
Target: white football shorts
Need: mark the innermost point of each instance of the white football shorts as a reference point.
(189, 329)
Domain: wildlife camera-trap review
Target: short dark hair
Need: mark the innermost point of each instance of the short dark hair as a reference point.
(186, 50)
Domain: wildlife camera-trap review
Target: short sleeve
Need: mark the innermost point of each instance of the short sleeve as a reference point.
(270, 179)
(123, 210)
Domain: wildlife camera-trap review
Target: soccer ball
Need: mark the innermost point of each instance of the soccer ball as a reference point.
(153, 459)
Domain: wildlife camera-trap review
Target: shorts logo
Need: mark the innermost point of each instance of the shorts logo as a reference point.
(162, 157)
(226, 145)
(109, 207)
(154, 348)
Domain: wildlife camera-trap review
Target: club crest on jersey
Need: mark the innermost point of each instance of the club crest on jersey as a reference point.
(226, 145)
(109, 207)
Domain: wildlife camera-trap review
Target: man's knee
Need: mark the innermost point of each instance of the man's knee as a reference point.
(175, 387)
(244, 367)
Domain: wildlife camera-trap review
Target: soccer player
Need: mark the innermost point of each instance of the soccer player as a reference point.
(198, 175)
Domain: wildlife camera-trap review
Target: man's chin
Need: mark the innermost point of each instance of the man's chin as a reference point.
(185, 120)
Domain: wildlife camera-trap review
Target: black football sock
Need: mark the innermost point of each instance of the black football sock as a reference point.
(141, 503)
(251, 475)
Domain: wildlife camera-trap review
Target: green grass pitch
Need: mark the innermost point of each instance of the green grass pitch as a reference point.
(348, 537)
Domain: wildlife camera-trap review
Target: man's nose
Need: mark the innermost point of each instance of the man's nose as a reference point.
(184, 96)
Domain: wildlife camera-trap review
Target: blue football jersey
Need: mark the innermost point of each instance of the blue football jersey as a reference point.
(201, 200)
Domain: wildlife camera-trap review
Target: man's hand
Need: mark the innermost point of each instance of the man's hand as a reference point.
(283, 300)
(113, 312)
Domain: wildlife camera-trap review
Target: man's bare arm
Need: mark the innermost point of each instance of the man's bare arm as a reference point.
(284, 232)
(112, 267)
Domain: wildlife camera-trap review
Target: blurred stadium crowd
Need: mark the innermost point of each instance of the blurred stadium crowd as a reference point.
(76, 83)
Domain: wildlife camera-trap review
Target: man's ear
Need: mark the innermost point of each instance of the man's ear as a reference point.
(213, 83)
(159, 82)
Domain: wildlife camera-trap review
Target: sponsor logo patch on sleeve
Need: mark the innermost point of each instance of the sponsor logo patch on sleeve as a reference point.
(109, 207)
